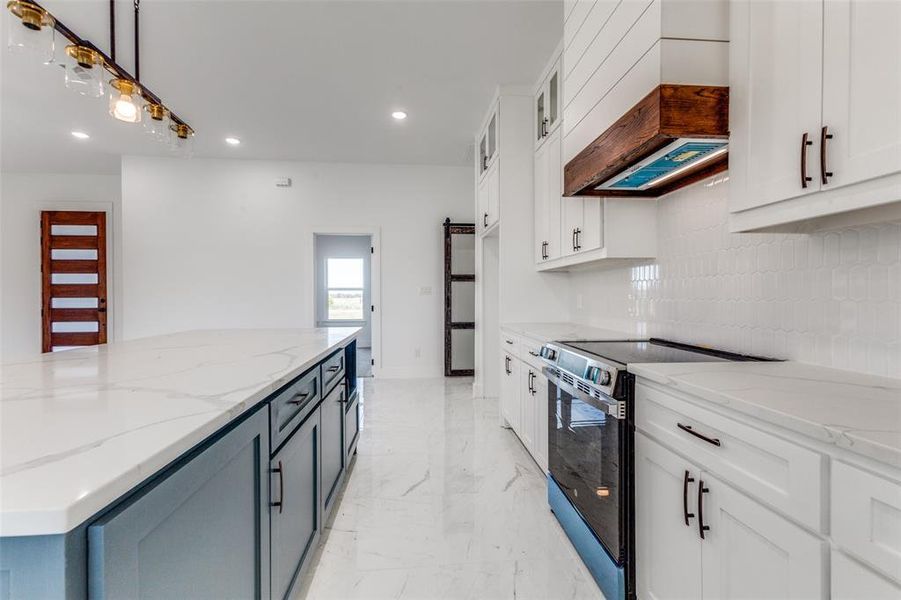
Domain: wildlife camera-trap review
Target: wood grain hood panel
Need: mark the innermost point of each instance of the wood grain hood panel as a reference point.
(668, 113)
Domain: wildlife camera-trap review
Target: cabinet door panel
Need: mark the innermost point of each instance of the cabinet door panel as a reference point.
(494, 195)
(852, 581)
(775, 91)
(296, 523)
(591, 233)
(669, 552)
(751, 552)
(540, 192)
(332, 415)
(352, 426)
(862, 89)
(510, 392)
(554, 190)
(571, 216)
(482, 205)
(200, 532)
(526, 430)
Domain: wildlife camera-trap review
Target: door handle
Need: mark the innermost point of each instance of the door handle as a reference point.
(685, 481)
(824, 173)
(701, 491)
(805, 142)
(709, 440)
(281, 487)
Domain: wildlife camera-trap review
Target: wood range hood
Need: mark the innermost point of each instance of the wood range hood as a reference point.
(675, 136)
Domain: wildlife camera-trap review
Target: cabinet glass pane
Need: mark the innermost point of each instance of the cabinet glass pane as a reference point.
(463, 301)
(462, 349)
(539, 116)
(463, 254)
(483, 154)
(552, 100)
(492, 136)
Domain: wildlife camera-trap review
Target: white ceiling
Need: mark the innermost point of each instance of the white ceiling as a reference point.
(295, 80)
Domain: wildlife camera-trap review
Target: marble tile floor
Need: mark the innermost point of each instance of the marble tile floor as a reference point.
(441, 502)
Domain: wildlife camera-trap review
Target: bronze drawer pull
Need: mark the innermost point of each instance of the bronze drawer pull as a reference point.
(688, 429)
(824, 135)
(701, 527)
(685, 481)
(281, 487)
(805, 142)
(333, 369)
(299, 398)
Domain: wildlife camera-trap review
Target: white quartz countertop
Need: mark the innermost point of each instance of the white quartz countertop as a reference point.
(80, 428)
(559, 332)
(858, 412)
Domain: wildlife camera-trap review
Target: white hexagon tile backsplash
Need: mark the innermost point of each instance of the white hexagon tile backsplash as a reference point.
(831, 298)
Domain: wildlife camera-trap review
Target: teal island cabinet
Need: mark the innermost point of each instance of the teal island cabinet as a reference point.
(237, 514)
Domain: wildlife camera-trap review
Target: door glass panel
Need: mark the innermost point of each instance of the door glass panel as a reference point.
(552, 99)
(463, 349)
(492, 137)
(539, 116)
(463, 300)
(463, 254)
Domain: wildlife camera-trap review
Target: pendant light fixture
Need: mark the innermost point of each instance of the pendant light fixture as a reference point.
(125, 100)
(84, 71)
(33, 32)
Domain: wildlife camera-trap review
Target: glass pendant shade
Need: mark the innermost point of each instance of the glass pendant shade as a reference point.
(156, 122)
(125, 102)
(84, 71)
(30, 31)
(183, 140)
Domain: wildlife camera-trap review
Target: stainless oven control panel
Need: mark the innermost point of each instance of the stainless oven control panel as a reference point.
(589, 378)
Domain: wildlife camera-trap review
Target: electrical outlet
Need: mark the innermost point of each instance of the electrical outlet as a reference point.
(425, 290)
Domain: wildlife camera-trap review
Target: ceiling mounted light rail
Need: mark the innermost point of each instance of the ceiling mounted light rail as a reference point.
(675, 136)
(33, 33)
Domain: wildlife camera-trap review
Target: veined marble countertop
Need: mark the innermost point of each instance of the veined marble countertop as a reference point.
(855, 411)
(561, 332)
(80, 428)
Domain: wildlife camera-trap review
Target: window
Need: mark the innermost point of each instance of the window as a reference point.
(344, 289)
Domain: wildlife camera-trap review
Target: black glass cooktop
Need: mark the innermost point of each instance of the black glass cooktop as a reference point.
(653, 351)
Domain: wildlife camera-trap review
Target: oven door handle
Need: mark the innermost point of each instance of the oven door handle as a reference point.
(614, 408)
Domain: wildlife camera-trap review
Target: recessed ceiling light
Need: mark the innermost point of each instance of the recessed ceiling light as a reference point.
(232, 141)
(81, 135)
(399, 115)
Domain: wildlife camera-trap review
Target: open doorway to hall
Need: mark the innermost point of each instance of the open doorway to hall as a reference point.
(344, 289)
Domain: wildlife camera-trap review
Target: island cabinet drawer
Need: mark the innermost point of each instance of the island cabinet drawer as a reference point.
(291, 406)
(866, 517)
(332, 370)
(784, 475)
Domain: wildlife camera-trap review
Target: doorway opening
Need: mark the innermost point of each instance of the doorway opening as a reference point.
(344, 289)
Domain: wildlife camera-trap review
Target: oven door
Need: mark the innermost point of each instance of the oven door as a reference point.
(586, 457)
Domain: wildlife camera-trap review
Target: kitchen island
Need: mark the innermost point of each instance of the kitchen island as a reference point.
(165, 466)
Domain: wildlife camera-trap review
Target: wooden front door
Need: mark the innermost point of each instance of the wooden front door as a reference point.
(73, 279)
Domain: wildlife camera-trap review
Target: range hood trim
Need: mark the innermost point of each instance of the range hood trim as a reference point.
(667, 113)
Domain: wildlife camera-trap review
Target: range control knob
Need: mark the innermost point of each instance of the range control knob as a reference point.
(548, 353)
(603, 377)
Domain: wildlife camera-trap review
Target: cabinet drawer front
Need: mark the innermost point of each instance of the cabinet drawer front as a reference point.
(510, 344)
(852, 581)
(781, 474)
(529, 350)
(866, 517)
(292, 405)
(332, 370)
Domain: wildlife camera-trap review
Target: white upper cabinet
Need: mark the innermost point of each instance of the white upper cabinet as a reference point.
(861, 89)
(547, 104)
(815, 124)
(488, 145)
(774, 94)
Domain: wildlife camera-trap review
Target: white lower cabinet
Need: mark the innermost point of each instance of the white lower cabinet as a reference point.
(526, 431)
(852, 581)
(698, 537)
(540, 449)
(524, 404)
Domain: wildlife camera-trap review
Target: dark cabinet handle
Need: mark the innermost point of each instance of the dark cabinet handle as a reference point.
(701, 491)
(333, 369)
(485, 220)
(533, 353)
(688, 429)
(531, 379)
(805, 142)
(578, 238)
(824, 135)
(281, 487)
(507, 364)
(299, 398)
(485, 162)
(574, 240)
(544, 127)
(685, 481)
(509, 342)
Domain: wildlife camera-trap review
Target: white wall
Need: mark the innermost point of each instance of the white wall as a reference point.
(213, 243)
(829, 298)
(22, 198)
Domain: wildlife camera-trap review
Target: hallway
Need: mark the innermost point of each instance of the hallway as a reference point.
(442, 503)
